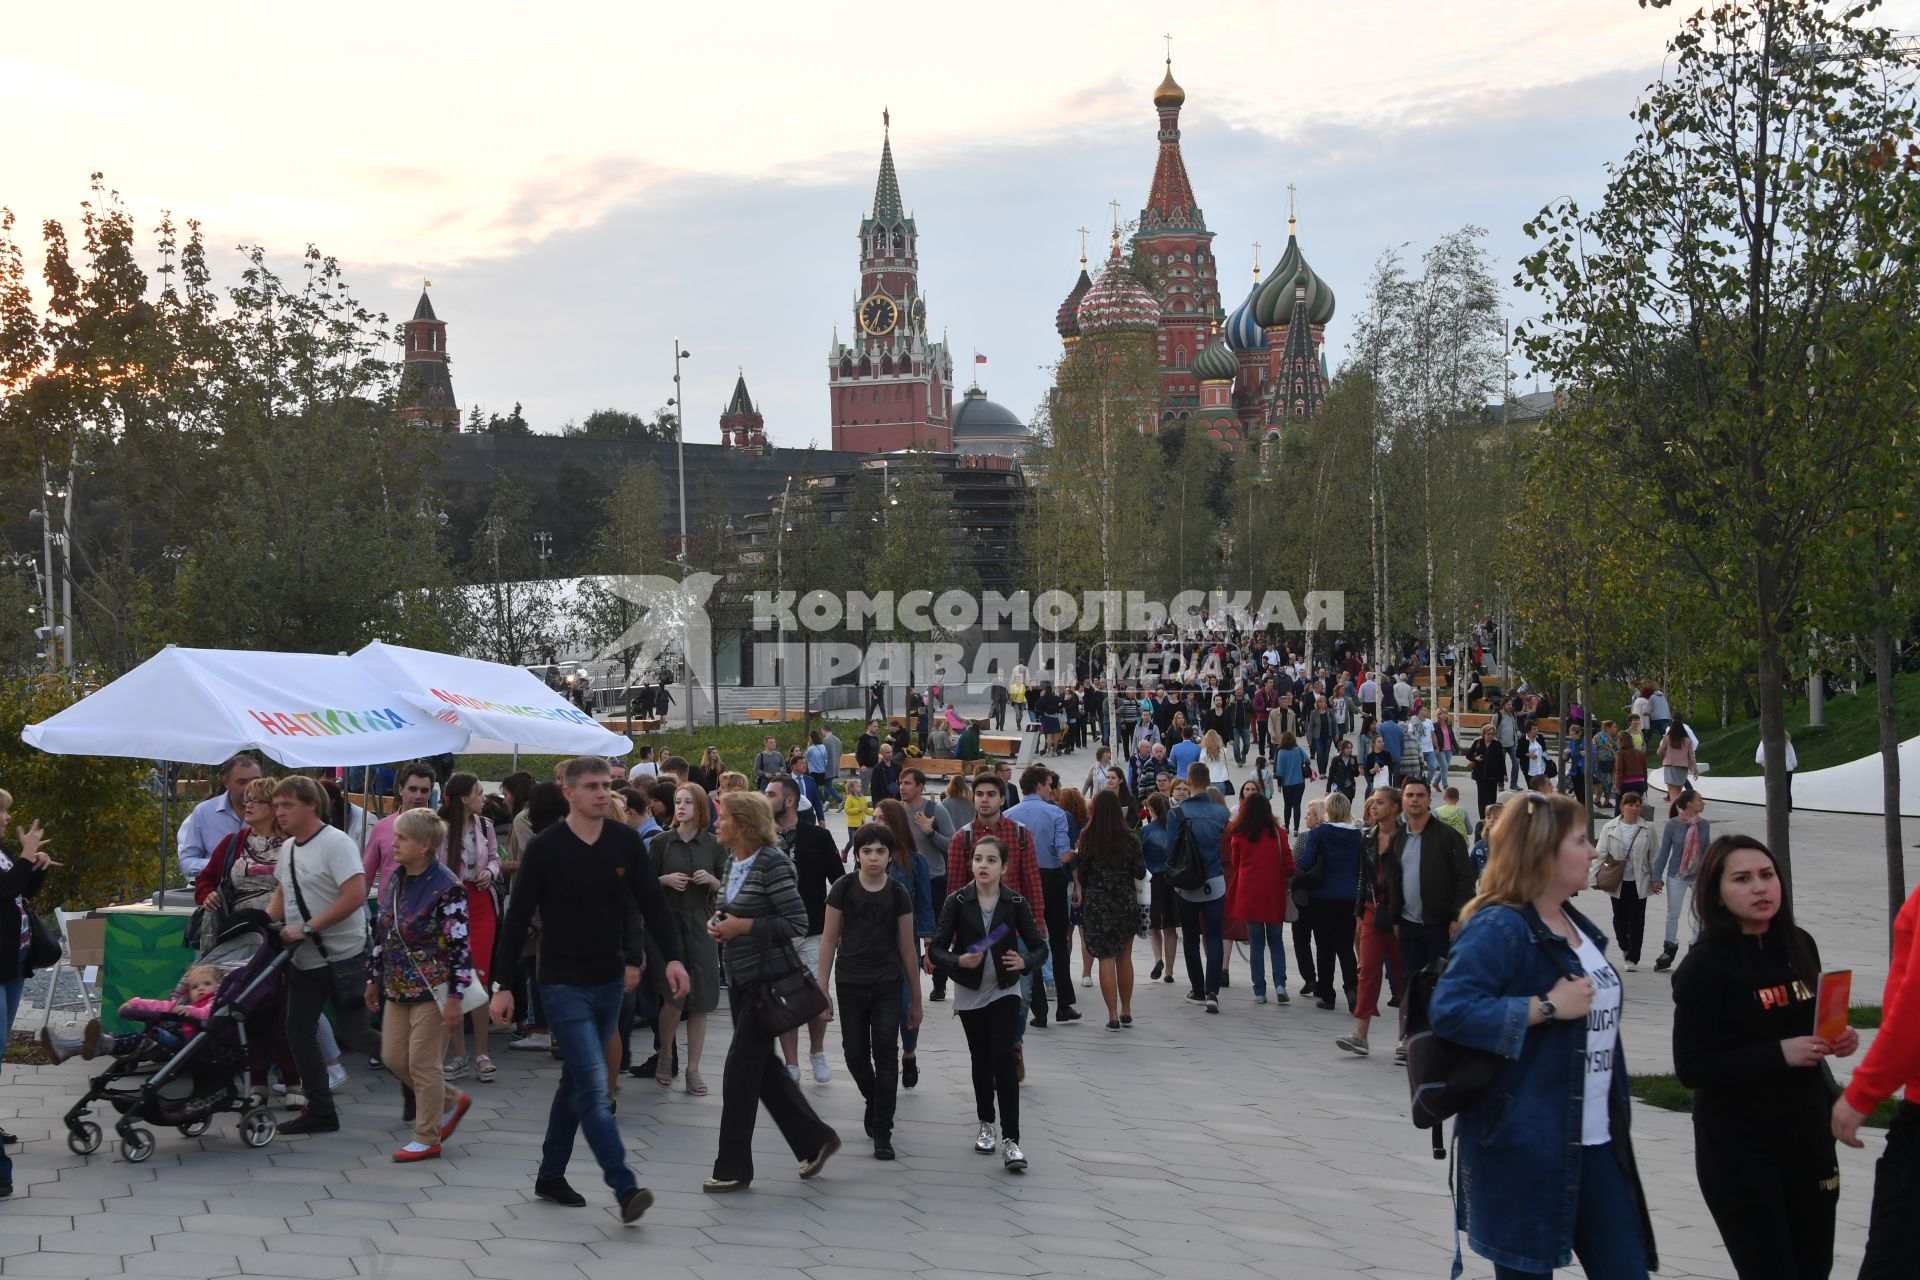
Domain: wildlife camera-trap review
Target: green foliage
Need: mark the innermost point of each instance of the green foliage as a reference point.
(1666, 1092)
(512, 613)
(1850, 732)
(1864, 1016)
(102, 820)
(628, 541)
(616, 424)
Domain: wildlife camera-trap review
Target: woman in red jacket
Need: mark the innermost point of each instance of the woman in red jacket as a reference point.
(1262, 863)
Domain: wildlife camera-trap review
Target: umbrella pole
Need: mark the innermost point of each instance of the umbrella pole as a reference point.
(166, 824)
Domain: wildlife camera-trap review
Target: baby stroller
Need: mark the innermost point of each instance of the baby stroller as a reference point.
(186, 1087)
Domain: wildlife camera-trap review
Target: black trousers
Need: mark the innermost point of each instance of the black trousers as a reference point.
(1303, 965)
(309, 992)
(991, 1033)
(1630, 920)
(755, 1075)
(1332, 924)
(1420, 946)
(869, 1016)
(1054, 884)
(1893, 1225)
(1488, 793)
(939, 895)
(1773, 1200)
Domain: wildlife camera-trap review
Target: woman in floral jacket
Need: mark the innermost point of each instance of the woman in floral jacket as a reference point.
(421, 965)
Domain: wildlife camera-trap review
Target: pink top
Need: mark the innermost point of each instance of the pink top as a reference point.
(377, 858)
(1681, 757)
(148, 1010)
(486, 851)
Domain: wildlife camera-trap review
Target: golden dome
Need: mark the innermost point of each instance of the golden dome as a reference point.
(1169, 94)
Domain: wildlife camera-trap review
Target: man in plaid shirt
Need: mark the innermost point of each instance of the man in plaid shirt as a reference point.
(1022, 874)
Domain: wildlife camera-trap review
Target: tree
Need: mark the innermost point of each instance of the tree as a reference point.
(616, 424)
(514, 612)
(1698, 307)
(629, 540)
(513, 424)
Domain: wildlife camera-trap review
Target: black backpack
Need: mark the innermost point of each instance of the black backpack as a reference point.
(1445, 1078)
(1186, 869)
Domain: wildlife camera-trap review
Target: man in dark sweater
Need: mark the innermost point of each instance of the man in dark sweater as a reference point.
(588, 879)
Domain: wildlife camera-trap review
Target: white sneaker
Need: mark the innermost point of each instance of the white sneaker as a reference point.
(537, 1042)
(1633, 966)
(821, 1071)
(295, 1100)
(1086, 979)
(793, 1073)
(985, 1142)
(336, 1076)
(1012, 1157)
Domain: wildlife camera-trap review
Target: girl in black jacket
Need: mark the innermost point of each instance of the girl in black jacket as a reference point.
(21, 875)
(976, 943)
(1743, 1040)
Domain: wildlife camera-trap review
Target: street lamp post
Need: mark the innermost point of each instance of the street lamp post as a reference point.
(779, 585)
(680, 463)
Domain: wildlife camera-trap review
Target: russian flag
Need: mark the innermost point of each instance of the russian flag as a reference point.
(978, 358)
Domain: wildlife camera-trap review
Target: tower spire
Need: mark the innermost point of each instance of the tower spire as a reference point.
(1290, 217)
(886, 191)
(1256, 262)
(1083, 248)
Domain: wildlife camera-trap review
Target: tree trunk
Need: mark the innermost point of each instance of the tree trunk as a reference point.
(1883, 672)
(1773, 728)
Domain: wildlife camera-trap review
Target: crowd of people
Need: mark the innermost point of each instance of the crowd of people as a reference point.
(620, 902)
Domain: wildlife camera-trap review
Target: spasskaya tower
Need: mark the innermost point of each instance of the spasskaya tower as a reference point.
(891, 387)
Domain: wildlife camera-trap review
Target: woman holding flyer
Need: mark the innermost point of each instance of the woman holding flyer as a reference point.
(1744, 1040)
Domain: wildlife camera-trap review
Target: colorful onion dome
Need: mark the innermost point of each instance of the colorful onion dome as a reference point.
(1067, 321)
(1118, 303)
(1273, 301)
(1243, 332)
(1216, 363)
(1169, 94)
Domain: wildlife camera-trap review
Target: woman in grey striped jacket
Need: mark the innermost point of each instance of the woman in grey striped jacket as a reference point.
(760, 915)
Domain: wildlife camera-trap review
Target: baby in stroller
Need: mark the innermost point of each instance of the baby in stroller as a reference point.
(172, 1023)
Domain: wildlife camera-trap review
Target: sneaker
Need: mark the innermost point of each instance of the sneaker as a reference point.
(336, 1076)
(633, 1202)
(534, 1042)
(556, 1191)
(793, 1072)
(1400, 1052)
(1633, 966)
(279, 1086)
(985, 1142)
(1012, 1157)
(1260, 997)
(909, 1071)
(938, 997)
(451, 1117)
(1213, 1004)
(374, 1064)
(720, 1186)
(821, 1071)
(1086, 979)
(309, 1122)
(883, 1148)
(1066, 1013)
(416, 1151)
(1355, 1045)
(1280, 996)
(483, 1069)
(1194, 997)
(296, 1100)
(820, 1157)
(456, 1069)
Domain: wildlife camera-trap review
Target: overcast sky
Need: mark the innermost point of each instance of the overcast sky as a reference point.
(583, 183)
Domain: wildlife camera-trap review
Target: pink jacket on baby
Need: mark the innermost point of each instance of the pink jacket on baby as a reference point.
(152, 1010)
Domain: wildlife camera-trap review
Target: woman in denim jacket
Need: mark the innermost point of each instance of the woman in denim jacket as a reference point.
(1546, 1161)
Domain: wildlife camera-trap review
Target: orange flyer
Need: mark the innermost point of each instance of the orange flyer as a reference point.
(1830, 1016)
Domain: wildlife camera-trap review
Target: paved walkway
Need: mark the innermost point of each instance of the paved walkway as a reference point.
(1242, 1145)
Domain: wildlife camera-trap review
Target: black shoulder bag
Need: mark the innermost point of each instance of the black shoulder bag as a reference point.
(348, 975)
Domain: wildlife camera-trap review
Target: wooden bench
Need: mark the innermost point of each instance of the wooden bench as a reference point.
(978, 722)
(1000, 744)
(773, 713)
(638, 724)
(932, 768)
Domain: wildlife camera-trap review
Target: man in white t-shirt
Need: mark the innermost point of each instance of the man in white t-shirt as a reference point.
(321, 893)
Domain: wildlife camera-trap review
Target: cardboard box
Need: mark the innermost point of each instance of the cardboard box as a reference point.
(87, 941)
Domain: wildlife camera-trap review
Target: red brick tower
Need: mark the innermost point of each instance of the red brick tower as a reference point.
(891, 387)
(1173, 237)
(741, 426)
(426, 386)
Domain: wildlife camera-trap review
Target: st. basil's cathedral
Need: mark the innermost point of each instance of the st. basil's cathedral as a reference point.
(1242, 376)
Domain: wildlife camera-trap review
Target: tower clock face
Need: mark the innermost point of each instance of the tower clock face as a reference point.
(878, 315)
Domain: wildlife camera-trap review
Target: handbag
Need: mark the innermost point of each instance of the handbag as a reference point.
(43, 947)
(790, 1001)
(1608, 874)
(472, 996)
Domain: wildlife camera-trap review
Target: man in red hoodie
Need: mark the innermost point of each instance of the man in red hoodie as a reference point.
(1892, 1062)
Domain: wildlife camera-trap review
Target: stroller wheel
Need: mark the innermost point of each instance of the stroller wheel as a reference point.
(138, 1146)
(258, 1127)
(84, 1139)
(195, 1129)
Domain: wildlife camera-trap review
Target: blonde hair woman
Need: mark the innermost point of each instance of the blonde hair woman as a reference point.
(1547, 1169)
(1213, 754)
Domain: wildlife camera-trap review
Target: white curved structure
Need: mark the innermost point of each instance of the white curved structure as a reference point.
(1853, 787)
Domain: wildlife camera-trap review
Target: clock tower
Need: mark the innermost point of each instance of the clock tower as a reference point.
(890, 386)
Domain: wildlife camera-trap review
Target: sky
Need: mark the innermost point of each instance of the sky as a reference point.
(583, 189)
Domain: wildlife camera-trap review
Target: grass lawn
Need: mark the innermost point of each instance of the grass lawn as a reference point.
(1851, 731)
(738, 744)
(1667, 1093)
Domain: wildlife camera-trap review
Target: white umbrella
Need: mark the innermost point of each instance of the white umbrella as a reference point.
(204, 706)
(501, 708)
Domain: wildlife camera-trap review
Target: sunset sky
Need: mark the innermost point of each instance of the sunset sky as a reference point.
(584, 182)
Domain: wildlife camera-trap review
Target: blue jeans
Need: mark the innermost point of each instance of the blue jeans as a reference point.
(1266, 938)
(1606, 1225)
(1197, 919)
(582, 1020)
(10, 994)
(1677, 888)
(1516, 768)
(1241, 741)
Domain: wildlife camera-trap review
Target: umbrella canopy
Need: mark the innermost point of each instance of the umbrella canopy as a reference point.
(501, 707)
(203, 706)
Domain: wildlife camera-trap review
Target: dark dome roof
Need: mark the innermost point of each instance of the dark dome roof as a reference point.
(1216, 362)
(978, 417)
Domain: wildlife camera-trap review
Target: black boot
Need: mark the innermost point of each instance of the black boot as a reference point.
(408, 1108)
(1667, 953)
